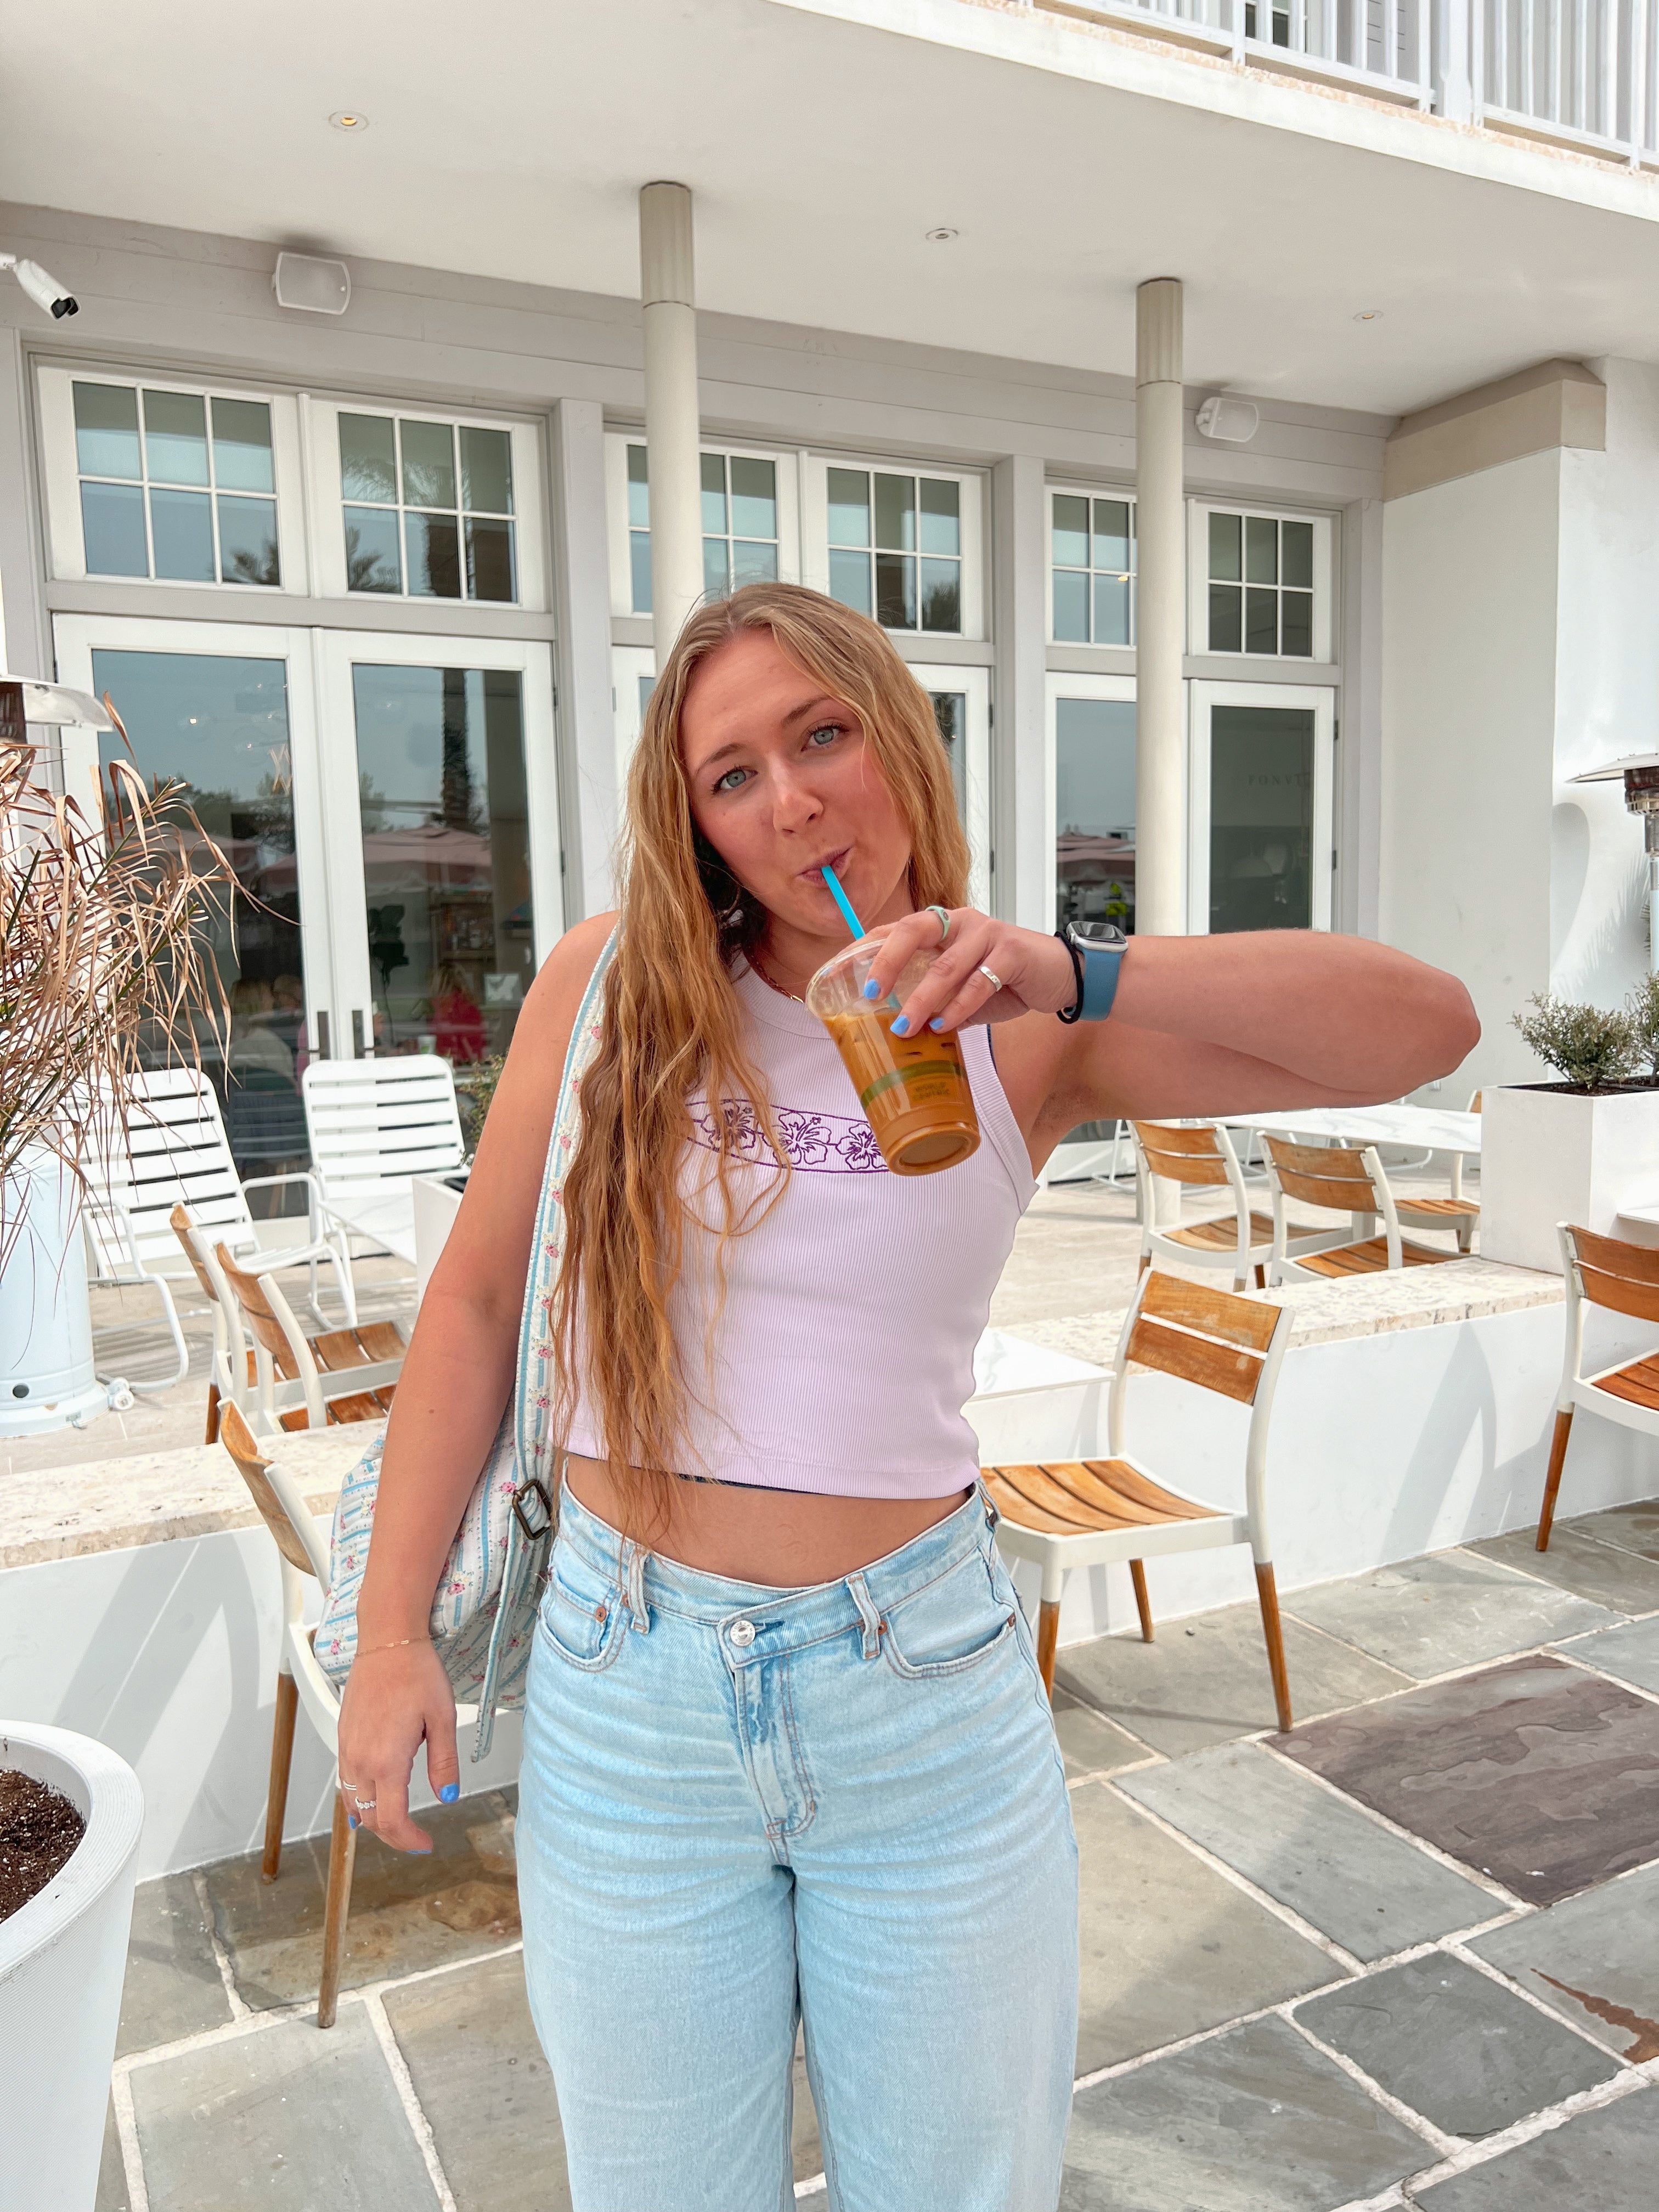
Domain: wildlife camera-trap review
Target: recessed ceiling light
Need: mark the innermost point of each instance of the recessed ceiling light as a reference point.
(348, 118)
(1369, 315)
(940, 237)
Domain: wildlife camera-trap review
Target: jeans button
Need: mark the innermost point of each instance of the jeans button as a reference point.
(742, 1633)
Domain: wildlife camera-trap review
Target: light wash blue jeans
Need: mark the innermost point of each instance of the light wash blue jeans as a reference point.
(741, 1806)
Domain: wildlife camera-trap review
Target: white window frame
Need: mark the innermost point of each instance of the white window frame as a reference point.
(814, 531)
(975, 686)
(531, 659)
(785, 459)
(1058, 686)
(629, 663)
(1198, 512)
(320, 421)
(1126, 494)
(76, 638)
(66, 551)
(1202, 697)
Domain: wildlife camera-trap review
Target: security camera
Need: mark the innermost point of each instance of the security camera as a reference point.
(52, 298)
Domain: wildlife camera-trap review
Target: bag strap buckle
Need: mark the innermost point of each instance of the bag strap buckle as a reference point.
(535, 1488)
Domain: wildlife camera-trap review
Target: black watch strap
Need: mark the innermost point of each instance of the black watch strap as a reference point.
(1074, 1012)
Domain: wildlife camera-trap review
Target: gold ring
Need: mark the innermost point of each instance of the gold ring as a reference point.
(995, 982)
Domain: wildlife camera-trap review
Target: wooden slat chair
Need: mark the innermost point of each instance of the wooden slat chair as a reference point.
(232, 1375)
(173, 1150)
(1456, 1212)
(301, 1685)
(340, 1375)
(1196, 1158)
(1622, 1278)
(1084, 1513)
(375, 1125)
(1348, 1181)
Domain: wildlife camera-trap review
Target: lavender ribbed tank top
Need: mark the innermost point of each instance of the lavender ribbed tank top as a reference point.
(844, 1354)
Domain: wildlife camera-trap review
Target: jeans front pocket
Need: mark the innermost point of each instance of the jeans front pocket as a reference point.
(949, 1624)
(582, 1612)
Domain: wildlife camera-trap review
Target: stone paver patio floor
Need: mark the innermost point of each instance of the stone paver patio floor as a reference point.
(1404, 1957)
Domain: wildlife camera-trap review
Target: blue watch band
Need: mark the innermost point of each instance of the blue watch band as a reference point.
(1103, 964)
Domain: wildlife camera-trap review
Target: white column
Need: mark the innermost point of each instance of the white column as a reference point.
(1160, 614)
(667, 292)
(589, 808)
(1022, 769)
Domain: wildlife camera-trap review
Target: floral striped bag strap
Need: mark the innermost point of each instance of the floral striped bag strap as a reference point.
(483, 1610)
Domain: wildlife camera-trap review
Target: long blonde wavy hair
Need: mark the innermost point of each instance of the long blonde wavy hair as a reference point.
(673, 1030)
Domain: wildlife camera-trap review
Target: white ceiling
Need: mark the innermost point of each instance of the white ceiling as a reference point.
(509, 140)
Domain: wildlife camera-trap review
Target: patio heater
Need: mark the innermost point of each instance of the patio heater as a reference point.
(46, 1377)
(1641, 775)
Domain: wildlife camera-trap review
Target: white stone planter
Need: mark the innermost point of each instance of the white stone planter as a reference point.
(1553, 1156)
(63, 1957)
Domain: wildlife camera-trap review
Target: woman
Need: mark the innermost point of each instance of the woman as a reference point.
(787, 1752)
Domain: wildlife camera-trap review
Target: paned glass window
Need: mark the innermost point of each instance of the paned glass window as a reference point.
(739, 523)
(1092, 557)
(895, 548)
(1260, 580)
(179, 485)
(429, 508)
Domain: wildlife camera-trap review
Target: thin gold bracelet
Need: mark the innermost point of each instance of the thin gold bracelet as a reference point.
(367, 1652)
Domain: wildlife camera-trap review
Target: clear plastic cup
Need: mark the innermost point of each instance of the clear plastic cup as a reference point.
(913, 1090)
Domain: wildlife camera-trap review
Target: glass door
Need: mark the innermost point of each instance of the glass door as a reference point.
(1261, 855)
(226, 708)
(443, 837)
(633, 680)
(1092, 792)
(961, 701)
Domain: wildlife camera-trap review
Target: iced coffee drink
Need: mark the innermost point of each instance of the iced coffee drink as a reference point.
(913, 1090)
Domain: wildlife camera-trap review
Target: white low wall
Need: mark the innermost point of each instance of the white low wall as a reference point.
(1384, 1447)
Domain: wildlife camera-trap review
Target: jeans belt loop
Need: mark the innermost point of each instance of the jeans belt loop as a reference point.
(871, 1619)
(635, 1559)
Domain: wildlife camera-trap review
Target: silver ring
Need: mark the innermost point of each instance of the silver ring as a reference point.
(943, 921)
(995, 982)
(363, 1804)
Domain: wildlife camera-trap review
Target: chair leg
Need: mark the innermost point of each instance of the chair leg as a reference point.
(1268, 1590)
(342, 1858)
(1145, 1262)
(1047, 1642)
(1553, 1479)
(281, 1758)
(1143, 1603)
(212, 1437)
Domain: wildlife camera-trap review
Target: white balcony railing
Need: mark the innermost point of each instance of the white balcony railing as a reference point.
(1579, 73)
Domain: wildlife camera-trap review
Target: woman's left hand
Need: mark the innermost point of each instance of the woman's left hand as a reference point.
(987, 971)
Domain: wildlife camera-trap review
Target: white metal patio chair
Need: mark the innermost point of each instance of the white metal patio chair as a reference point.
(174, 1150)
(1200, 1157)
(1622, 1278)
(375, 1125)
(1084, 1513)
(1348, 1180)
(305, 1382)
(301, 1685)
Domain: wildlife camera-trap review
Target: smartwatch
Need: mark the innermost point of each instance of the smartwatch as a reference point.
(1096, 961)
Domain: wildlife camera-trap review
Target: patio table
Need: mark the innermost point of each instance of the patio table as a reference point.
(388, 1219)
(1425, 1128)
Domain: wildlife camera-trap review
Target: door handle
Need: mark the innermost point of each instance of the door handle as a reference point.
(325, 1050)
(357, 1033)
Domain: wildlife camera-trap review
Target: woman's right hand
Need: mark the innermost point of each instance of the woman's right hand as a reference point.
(395, 1698)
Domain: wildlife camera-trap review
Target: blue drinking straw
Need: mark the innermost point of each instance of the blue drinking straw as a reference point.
(843, 903)
(849, 917)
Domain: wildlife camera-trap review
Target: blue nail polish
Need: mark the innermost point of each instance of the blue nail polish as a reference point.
(901, 1027)
(450, 1792)
(872, 989)
(938, 1021)
(351, 1819)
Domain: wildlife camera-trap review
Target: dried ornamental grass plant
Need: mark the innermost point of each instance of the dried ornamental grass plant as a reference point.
(1643, 1007)
(1592, 1047)
(105, 962)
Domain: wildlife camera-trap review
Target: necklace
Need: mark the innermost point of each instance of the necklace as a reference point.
(755, 963)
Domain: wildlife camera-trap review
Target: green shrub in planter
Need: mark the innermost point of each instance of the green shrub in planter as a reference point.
(1643, 1007)
(1592, 1047)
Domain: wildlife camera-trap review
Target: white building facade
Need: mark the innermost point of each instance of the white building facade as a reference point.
(379, 585)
